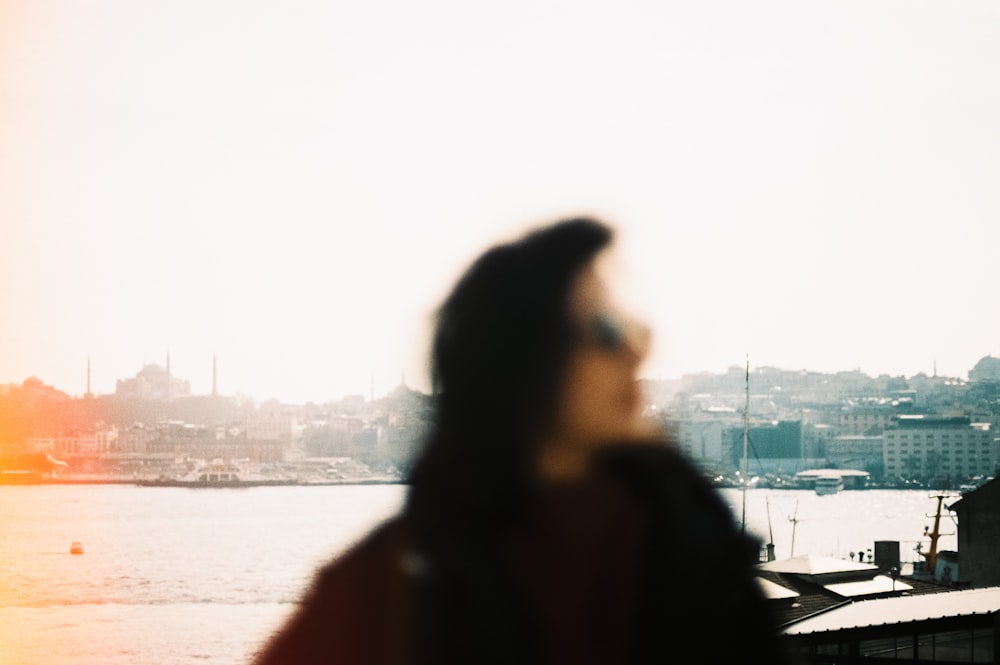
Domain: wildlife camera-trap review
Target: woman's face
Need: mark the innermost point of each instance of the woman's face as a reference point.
(601, 400)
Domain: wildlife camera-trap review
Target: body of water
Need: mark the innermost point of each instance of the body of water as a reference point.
(173, 575)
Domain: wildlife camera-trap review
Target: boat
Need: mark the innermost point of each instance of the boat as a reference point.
(217, 475)
(216, 479)
(829, 484)
(850, 479)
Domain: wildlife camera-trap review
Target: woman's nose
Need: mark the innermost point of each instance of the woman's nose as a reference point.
(638, 340)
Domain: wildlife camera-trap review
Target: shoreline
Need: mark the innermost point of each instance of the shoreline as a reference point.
(140, 482)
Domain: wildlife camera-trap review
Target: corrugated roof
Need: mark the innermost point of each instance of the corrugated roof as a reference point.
(809, 564)
(901, 609)
(774, 591)
(877, 584)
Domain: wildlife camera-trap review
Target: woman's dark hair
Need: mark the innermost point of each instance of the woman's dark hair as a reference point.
(498, 358)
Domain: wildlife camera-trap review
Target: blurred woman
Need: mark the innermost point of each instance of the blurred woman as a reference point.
(546, 520)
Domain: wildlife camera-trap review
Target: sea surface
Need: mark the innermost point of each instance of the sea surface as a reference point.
(173, 576)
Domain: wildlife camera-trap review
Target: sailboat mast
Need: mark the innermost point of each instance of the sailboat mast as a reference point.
(746, 441)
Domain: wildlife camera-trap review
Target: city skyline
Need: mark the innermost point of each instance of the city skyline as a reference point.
(372, 393)
(293, 189)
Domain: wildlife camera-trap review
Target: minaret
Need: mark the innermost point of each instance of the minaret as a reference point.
(88, 375)
(168, 388)
(215, 385)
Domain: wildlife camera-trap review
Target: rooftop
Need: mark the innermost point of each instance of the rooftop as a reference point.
(900, 609)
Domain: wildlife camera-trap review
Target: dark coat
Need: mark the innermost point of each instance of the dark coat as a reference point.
(641, 562)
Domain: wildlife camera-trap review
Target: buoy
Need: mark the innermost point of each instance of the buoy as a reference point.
(76, 547)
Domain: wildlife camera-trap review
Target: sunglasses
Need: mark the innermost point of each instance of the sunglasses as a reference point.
(613, 333)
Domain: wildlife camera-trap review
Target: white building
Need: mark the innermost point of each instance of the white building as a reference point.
(936, 446)
(101, 439)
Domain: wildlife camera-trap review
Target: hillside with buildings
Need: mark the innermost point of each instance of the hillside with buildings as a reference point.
(921, 431)
(916, 431)
(152, 426)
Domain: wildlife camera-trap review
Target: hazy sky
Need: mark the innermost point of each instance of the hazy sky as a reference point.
(293, 186)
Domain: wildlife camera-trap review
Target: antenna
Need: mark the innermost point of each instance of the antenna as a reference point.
(746, 441)
(794, 519)
(770, 532)
(935, 534)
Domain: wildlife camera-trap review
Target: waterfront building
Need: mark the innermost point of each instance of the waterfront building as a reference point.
(978, 534)
(335, 436)
(866, 419)
(816, 438)
(273, 422)
(774, 447)
(939, 448)
(700, 439)
(99, 440)
(136, 438)
(178, 440)
(863, 453)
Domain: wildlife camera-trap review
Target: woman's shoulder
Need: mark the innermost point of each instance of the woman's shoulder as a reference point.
(672, 489)
(380, 550)
(351, 611)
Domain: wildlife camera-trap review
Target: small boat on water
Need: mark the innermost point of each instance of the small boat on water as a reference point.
(218, 475)
(832, 481)
(831, 484)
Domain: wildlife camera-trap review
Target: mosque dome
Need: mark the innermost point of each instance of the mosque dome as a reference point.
(986, 370)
